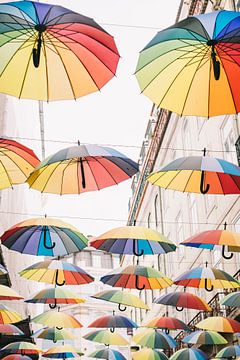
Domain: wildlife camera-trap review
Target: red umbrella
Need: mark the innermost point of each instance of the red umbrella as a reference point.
(166, 322)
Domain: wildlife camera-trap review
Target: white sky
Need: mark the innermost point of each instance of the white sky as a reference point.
(116, 115)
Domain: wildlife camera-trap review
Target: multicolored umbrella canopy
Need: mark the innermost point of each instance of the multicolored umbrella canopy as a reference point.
(17, 161)
(183, 300)
(16, 357)
(6, 293)
(62, 352)
(202, 337)
(199, 54)
(21, 347)
(108, 354)
(112, 322)
(133, 240)
(166, 322)
(44, 237)
(56, 272)
(8, 316)
(149, 354)
(220, 324)
(49, 52)
(10, 329)
(55, 296)
(207, 278)
(189, 354)
(137, 277)
(232, 299)
(154, 338)
(54, 334)
(57, 319)
(231, 352)
(106, 337)
(120, 297)
(81, 169)
(198, 174)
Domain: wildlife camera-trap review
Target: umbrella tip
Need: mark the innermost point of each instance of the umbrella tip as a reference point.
(204, 151)
(78, 142)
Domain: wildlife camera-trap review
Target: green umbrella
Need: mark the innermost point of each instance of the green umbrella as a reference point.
(204, 338)
(54, 334)
(231, 300)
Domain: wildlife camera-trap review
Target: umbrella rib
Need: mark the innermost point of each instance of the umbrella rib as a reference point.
(92, 173)
(45, 168)
(25, 75)
(220, 182)
(96, 159)
(46, 69)
(68, 163)
(125, 160)
(32, 233)
(5, 153)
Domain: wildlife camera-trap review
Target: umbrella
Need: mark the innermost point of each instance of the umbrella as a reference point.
(189, 354)
(202, 337)
(220, 324)
(56, 272)
(198, 55)
(108, 354)
(49, 52)
(112, 322)
(53, 334)
(21, 347)
(17, 162)
(166, 322)
(149, 354)
(155, 339)
(16, 357)
(10, 329)
(133, 240)
(199, 174)
(44, 237)
(183, 300)
(55, 296)
(232, 299)
(232, 352)
(81, 169)
(8, 316)
(3, 271)
(106, 337)
(58, 319)
(121, 298)
(207, 278)
(137, 277)
(62, 352)
(6, 293)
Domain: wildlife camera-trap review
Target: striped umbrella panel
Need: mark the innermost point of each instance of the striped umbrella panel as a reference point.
(121, 297)
(8, 316)
(229, 352)
(155, 339)
(166, 322)
(183, 300)
(54, 334)
(106, 337)
(219, 324)
(108, 354)
(7, 293)
(231, 300)
(113, 321)
(57, 319)
(55, 295)
(21, 347)
(205, 338)
(189, 354)
(10, 329)
(149, 354)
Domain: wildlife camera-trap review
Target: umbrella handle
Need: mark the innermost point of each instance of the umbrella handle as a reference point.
(202, 189)
(179, 308)
(137, 285)
(121, 308)
(53, 306)
(82, 173)
(56, 280)
(135, 249)
(59, 327)
(206, 288)
(45, 240)
(216, 65)
(224, 255)
(167, 331)
(112, 330)
(36, 52)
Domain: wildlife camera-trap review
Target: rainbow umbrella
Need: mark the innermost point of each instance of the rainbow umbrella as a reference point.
(220, 324)
(121, 298)
(166, 322)
(81, 169)
(155, 339)
(57, 319)
(112, 322)
(133, 240)
(183, 300)
(202, 337)
(6, 293)
(17, 161)
(232, 299)
(106, 337)
(10, 329)
(21, 347)
(198, 55)
(108, 354)
(62, 352)
(55, 296)
(189, 354)
(16, 357)
(44, 237)
(54, 334)
(207, 278)
(8, 316)
(56, 272)
(137, 277)
(149, 354)
(231, 352)
(49, 52)
(198, 174)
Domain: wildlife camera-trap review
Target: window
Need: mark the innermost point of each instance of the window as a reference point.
(157, 210)
(97, 260)
(106, 261)
(86, 258)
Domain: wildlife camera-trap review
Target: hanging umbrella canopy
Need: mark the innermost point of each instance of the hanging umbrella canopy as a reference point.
(137, 277)
(207, 278)
(10, 329)
(52, 53)
(198, 55)
(220, 324)
(21, 347)
(183, 300)
(202, 337)
(44, 237)
(232, 299)
(133, 240)
(231, 352)
(16, 357)
(17, 161)
(198, 174)
(81, 169)
(62, 352)
(121, 298)
(56, 272)
(6, 293)
(189, 354)
(106, 337)
(8, 316)
(154, 338)
(108, 354)
(58, 319)
(149, 354)
(166, 322)
(112, 322)
(54, 334)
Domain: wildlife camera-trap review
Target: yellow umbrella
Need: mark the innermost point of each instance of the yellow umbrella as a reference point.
(149, 354)
(106, 337)
(6, 293)
(219, 324)
(8, 316)
(57, 319)
(64, 351)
